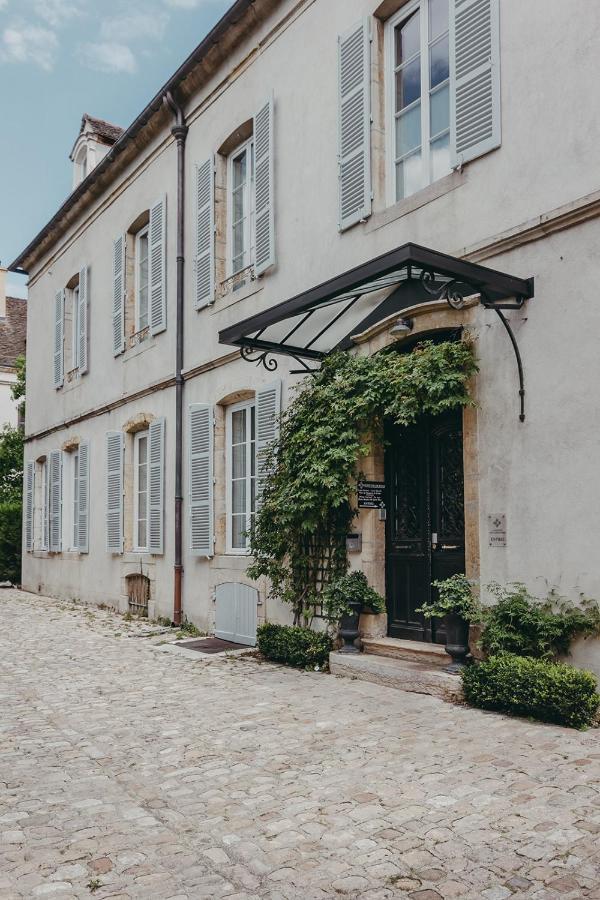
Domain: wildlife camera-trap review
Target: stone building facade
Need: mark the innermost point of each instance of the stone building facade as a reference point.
(13, 335)
(322, 135)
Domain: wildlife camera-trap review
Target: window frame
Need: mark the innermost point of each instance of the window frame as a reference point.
(251, 472)
(75, 327)
(143, 232)
(425, 45)
(44, 535)
(69, 500)
(137, 438)
(249, 249)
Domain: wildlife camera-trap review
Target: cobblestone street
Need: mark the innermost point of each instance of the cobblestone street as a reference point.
(129, 772)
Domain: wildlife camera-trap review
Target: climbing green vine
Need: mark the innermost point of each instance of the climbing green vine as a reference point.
(299, 536)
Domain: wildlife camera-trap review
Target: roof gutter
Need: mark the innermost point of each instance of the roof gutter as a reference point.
(153, 108)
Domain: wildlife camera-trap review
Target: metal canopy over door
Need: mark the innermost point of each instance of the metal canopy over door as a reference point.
(235, 615)
(425, 530)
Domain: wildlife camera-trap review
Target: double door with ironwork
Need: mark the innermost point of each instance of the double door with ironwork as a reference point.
(425, 531)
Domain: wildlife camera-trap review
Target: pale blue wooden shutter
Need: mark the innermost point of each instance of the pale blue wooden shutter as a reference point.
(156, 485)
(268, 409)
(29, 504)
(83, 319)
(114, 491)
(475, 117)
(157, 241)
(83, 498)
(55, 500)
(201, 429)
(205, 234)
(119, 248)
(354, 129)
(264, 200)
(59, 336)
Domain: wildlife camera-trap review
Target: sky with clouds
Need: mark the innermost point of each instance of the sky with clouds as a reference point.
(61, 58)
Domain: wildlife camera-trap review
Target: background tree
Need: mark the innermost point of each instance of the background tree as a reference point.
(11, 486)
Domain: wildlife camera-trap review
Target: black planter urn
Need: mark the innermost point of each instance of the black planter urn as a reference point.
(349, 628)
(457, 641)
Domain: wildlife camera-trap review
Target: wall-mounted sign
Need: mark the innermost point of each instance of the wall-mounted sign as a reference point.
(371, 495)
(497, 530)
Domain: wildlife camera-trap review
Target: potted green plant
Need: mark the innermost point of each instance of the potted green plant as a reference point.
(343, 602)
(457, 607)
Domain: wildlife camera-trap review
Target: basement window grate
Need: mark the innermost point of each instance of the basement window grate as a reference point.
(138, 594)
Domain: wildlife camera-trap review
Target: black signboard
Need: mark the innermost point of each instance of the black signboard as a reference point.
(371, 495)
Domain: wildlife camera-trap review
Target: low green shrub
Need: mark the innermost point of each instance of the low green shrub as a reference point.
(522, 624)
(521, 686)
(294, 646)
(10, 540)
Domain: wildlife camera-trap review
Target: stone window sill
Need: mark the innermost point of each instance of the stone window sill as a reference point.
(421, 198)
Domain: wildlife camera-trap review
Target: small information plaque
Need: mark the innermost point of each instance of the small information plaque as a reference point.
(371, 495)
(497, 530)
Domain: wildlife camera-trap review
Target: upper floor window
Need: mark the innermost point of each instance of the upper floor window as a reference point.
(419, 79)
(71, 327)
(241, 207)
(141, 280)
(75, 328)
(241, 474)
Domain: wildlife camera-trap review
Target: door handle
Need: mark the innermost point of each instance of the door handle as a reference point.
(450, 547)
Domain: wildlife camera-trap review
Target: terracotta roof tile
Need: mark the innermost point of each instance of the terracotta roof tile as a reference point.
(109, 132)
(13, 331)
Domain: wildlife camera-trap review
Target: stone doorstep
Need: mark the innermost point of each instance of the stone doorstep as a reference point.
(402, 674)
(415, 651)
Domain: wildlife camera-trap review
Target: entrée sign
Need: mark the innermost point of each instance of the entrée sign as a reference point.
(371, 495)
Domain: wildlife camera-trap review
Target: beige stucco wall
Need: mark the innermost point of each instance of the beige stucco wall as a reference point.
(541, 474)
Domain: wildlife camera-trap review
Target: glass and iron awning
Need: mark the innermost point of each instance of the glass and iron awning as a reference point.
(330, 316)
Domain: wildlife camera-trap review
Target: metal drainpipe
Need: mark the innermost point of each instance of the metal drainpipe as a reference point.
(179, 132)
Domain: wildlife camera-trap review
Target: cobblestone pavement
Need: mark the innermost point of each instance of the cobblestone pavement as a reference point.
(127, 772)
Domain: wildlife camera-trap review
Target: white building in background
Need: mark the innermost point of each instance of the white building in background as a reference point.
(327, 143)
(13, 334)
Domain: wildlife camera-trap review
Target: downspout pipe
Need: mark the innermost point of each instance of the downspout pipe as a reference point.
(179, 132)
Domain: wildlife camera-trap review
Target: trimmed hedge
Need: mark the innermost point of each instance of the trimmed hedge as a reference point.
(521, 686)
(10, 540)
(294, 646)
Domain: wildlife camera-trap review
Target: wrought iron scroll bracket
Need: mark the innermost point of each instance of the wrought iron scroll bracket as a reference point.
(266, 359)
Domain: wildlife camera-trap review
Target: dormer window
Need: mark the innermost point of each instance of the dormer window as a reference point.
(95, 139)
(81, 164)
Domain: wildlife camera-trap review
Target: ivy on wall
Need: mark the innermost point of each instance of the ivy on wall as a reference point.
(299, 536)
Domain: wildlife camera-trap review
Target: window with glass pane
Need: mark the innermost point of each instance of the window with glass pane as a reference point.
(44, 505)
(75, 336)
(75, 474)
(141, 508)
(421, 96)
(142, 280)
(241, 180)
(242, 474)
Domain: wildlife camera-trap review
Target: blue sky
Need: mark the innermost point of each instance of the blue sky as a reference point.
(61, 58)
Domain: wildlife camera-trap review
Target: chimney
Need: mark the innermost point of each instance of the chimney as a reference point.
(2, 293)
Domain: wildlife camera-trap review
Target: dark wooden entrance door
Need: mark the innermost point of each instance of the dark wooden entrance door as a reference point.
(425, 530)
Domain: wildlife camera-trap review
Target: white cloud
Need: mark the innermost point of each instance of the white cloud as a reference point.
(136, 25)
(24, 43)
(108, 57)
(57, 12)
